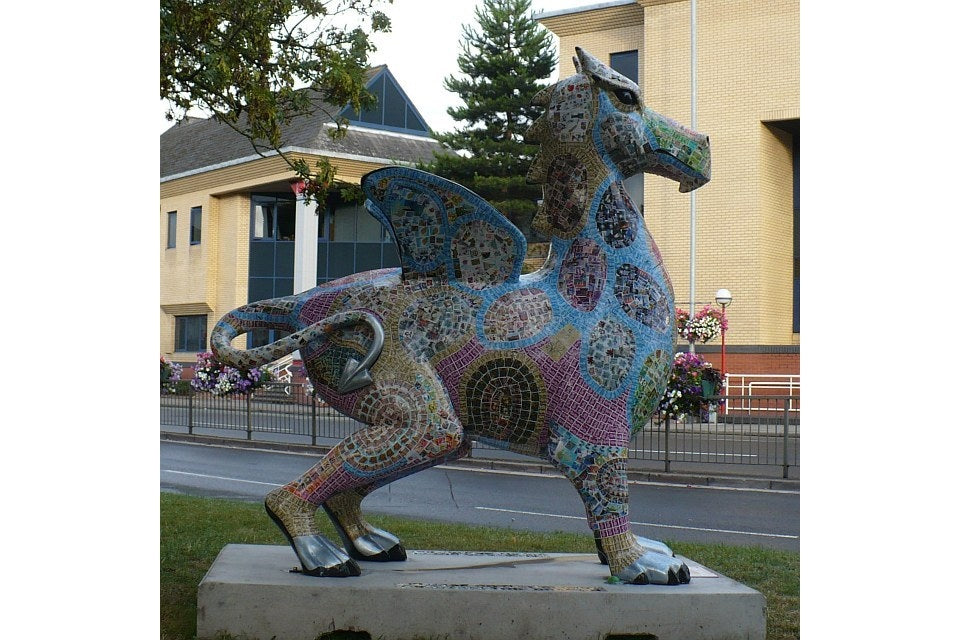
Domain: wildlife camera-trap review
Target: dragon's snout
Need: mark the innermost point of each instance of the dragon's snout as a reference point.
(677, 152)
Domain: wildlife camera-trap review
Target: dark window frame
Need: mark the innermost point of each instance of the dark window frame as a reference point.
(188, 338)
(196, 224)
(171, 229)
(619, 59)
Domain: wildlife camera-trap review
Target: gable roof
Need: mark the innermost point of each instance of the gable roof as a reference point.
(196, 145)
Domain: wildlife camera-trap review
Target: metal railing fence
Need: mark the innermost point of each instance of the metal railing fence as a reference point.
(757, 430)
(742, 388)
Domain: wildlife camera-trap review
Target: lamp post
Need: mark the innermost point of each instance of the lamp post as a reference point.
(723, 298)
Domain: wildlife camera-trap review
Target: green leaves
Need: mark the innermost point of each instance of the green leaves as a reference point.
(245, 62)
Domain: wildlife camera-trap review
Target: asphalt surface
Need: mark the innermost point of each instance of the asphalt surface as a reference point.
(739, 511)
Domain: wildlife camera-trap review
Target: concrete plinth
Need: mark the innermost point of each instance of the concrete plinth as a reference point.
(251, 593)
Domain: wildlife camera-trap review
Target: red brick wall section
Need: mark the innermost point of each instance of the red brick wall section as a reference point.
(781, 363)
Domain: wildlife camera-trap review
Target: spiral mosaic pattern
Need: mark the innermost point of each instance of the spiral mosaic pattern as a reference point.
(503, 398)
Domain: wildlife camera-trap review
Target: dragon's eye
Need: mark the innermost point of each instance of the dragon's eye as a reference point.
(626, 96)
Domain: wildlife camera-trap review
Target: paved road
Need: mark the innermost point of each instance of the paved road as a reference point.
(523, 501)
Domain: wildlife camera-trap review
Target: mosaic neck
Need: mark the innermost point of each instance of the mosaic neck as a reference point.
(592, 206)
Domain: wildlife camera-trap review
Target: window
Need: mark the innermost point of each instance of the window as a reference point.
(196, 214)
(171, 229)
(626, 63)
(191, 333)
(392, 111)
(273, 226)
(274, 219)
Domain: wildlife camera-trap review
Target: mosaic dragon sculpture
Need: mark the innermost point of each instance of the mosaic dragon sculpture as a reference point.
(456, 345)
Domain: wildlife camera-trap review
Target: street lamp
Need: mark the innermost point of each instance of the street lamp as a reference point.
(723, 298)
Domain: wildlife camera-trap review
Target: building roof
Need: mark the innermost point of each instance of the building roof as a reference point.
(196, 145)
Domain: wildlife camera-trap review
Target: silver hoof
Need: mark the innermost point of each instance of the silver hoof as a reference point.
(376, 545)
(320, 557)
(379, 546)
(655, 568)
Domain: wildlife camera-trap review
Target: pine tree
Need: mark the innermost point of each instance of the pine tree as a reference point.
(501, 66)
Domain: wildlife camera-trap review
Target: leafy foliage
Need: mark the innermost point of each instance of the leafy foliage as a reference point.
(254, 65)
(501, 67)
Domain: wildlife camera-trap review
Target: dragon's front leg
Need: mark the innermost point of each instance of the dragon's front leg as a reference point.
(599, 473)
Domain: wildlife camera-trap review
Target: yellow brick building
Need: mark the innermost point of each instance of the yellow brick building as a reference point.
(747, 83)
(232, 229)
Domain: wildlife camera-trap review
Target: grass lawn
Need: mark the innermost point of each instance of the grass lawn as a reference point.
(193, 531)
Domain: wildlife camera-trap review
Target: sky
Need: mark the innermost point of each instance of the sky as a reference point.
(422, 50)
(422, 47)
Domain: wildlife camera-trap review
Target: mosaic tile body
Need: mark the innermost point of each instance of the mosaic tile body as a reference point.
(563, 363)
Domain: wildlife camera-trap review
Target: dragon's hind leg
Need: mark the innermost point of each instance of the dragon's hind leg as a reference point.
(362, 540)
(412, 427)
(317, 555)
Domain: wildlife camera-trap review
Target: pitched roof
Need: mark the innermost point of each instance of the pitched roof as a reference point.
(199, 144)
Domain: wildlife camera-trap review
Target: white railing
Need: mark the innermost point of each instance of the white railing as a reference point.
(745, 384)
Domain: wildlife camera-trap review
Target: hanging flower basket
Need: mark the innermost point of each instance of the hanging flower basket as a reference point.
(705, 325)
(688, 386)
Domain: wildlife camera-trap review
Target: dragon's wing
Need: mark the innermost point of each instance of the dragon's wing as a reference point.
(443, 230)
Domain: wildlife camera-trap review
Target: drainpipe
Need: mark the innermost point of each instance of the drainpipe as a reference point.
(693, 125)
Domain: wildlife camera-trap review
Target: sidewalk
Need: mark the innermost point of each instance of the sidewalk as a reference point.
(681, 474)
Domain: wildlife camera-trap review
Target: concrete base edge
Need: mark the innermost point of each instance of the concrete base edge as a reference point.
(251, 593)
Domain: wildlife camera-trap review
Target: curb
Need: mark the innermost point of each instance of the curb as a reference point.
(660, 477)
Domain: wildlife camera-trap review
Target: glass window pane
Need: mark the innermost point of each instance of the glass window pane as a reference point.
(369, 228)
(368, 256)
(171, 229)
(195, 224)
(394, 106)
(262, 222)
(286, 220)
(625, 63)
(414, 122)
(375, 114)
(190, 333)
(343, 224)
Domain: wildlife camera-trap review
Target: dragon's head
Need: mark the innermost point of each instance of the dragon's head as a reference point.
(595, 123)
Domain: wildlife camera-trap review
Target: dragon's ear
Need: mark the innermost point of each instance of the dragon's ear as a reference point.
(606, 77)
(576, 64)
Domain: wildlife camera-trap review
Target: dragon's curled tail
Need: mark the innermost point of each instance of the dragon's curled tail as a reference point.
(355, 374)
